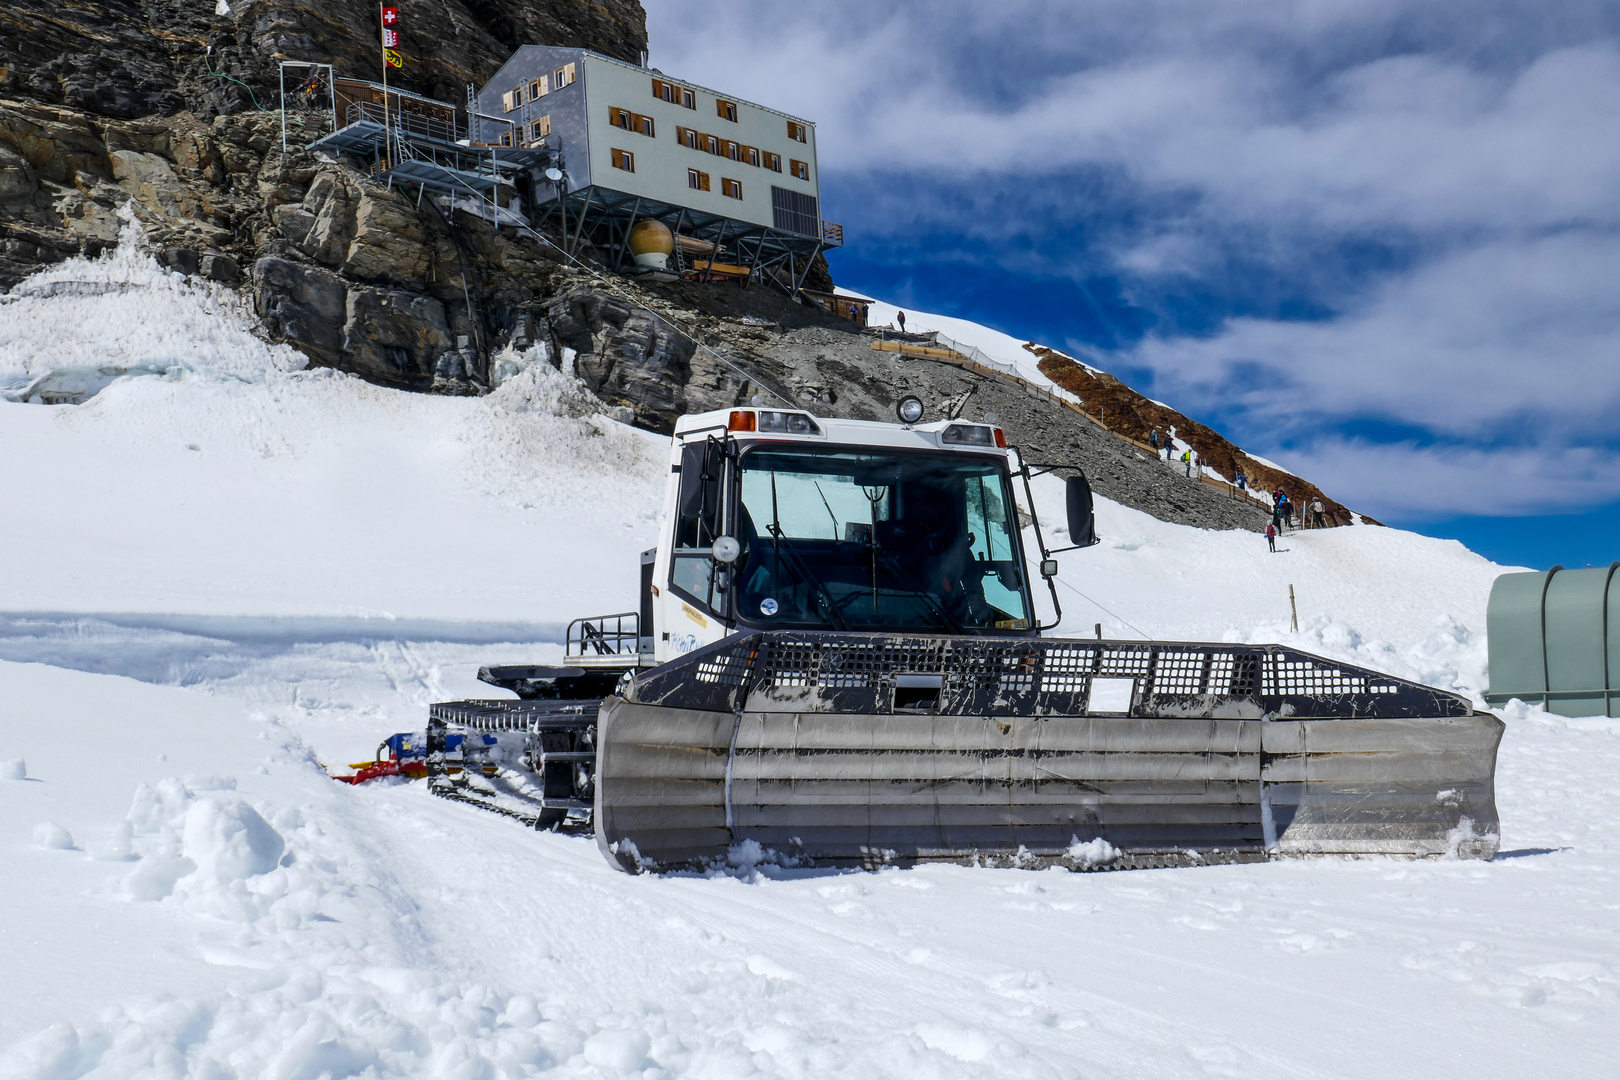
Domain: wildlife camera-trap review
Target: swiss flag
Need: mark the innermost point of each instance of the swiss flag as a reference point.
(390, 16)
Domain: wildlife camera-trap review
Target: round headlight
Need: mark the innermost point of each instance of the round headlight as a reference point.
(726, 549)
(910, 409)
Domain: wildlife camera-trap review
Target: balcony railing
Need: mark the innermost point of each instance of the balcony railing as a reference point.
(832, 234)
(406, 123)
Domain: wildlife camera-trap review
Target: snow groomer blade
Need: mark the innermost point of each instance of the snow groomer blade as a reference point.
(880, 749)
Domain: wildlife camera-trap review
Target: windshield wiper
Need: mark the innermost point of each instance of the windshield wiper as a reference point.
(799, 566)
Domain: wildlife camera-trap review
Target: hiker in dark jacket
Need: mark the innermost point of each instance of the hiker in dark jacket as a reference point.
(1271, 535)
(1153, 440)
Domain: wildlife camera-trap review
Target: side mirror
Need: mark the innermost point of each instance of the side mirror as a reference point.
(1049, 568)
(1082, 518)
(726, 549)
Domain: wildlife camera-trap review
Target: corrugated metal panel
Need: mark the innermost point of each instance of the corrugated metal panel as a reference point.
(794, 740)
(1550, 642)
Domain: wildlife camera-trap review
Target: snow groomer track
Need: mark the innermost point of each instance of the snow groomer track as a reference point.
(873, 749)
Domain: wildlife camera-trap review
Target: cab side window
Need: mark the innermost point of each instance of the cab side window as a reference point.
(697, 524)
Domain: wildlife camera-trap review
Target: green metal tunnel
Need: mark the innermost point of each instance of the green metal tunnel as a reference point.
(1554, 640)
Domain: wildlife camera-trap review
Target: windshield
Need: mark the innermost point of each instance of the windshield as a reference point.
(868, 540)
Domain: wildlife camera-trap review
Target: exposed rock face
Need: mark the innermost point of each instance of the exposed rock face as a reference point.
(145, 57)
(625, 353)
(161, 105)
(164, 102)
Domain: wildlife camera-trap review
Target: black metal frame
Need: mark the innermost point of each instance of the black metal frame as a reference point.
(594, 633)
(859, 673)
(426, 153)
(606, 216)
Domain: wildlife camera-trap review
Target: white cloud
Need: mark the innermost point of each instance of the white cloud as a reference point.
(1507, 332)
(1428, 483)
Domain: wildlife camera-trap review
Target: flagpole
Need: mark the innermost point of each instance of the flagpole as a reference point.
(388, 136)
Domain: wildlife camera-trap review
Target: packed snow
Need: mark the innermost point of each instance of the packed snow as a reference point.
(231, 571)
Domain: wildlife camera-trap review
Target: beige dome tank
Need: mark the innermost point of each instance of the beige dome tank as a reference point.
(651, 243)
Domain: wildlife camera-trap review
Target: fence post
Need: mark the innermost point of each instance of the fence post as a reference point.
(1293, 610)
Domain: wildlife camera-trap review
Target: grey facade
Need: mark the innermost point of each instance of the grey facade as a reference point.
(636, 143)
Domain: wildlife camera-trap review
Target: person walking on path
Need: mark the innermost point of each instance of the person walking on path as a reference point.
(901, 316)
(1154, 441)
(1187, 459)
(1242, 481)
(1271, 535)
(1317, 511)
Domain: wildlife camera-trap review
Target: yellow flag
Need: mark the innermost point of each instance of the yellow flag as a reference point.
(392, 58)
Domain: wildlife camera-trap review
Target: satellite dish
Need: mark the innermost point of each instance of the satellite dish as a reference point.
(555, 175)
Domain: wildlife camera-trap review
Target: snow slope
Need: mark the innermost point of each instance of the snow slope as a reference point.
(994, 343)
(186, 633)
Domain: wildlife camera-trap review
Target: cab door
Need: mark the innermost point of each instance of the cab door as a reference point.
(694, 596)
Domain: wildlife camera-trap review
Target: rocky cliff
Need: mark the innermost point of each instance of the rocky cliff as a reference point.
(159, 57)
(164, 105)
(166, 102)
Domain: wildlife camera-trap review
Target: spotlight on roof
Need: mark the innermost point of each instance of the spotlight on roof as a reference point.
(910, 409)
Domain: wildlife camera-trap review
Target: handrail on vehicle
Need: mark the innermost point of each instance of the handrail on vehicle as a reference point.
(605, 635)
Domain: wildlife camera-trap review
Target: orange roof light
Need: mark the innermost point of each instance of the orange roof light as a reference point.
(741, 420)
(1001, 438)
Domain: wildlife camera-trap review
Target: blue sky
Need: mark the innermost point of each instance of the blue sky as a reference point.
(1377, 241)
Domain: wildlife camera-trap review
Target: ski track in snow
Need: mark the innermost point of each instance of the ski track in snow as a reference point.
(256, 569)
